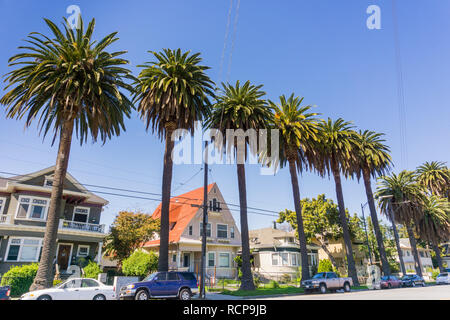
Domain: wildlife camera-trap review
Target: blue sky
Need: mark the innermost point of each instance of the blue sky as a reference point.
(321, 50)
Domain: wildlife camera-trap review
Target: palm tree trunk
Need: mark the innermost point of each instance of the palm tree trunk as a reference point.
(376, 225)
(300, 229)
(330, 256)
(346, 233)
(438, 256)
(412, 240)
(163, 260)
(44, 276)
(247, 278)
(397, 243)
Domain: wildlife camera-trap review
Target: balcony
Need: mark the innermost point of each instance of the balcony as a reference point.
(81, 226)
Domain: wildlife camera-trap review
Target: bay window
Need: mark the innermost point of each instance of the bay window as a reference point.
(24, 249)
(224, 260)
(80, 214)
(31, 208)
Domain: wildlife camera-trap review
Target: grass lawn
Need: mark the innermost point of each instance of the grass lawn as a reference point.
(263, 291)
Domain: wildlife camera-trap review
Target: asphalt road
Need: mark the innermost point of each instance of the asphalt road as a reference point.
(441, 292)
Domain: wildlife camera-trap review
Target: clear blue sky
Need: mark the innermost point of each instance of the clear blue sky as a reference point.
(321, 50)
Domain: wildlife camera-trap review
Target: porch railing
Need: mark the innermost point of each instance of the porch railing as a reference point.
(82, 226)
(4, 219)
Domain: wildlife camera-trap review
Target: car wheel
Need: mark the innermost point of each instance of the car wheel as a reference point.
(142, 295)
(99, 297)
(347, 287)
(413, 284)
(323, 288)
(45, 297)
(185, 294)
(423, 284)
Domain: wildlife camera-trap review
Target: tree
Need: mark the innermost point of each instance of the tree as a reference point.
(337, 155)
(70, 83)
(434, 226)
(128, 232)
(435, 176)
(140, 264)
(241, 107)
(297, 131)
(399, 197)
(372, 160)
(172, 93)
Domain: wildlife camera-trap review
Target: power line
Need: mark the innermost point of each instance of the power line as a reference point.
(233, 40)
(188, 180)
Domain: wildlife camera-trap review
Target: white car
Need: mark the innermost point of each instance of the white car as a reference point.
(443, 278)
(74, 289)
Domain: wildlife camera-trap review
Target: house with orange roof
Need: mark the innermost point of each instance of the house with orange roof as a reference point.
(185, 238)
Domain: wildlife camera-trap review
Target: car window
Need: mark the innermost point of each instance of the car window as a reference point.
(172, 276)
(443, 275)
(188, 276)
(384, 278)
(151, 276)
(72, 283)
(162, 276)
(89, 283)
(331, 275)
(320, 275)
(394, 278)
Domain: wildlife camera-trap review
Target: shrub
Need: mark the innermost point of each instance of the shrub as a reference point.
(256, 280)
(435, 273)
(273, 285)
(20, 278)
(285, 278)
(92, 270)
(56, 282)
(140, 264)
(325, 265)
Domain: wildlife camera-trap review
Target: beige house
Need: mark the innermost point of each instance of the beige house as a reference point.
(276, 253)
(223, 237)
(408, 258)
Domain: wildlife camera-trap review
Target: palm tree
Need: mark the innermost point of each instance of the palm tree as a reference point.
(373, 159)
(172, 93)
(435, 176)
(434, 226)
(399, 197)
(70, 83)
(297, 131)
(241, 107)
(336, 156)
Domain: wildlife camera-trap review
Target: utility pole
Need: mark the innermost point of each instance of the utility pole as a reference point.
(367, 235)
(205, 221)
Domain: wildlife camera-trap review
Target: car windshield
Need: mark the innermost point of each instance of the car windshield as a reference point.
(407, 277)
(385, 278)
(150, 276)
(443, 275)
(319, 275)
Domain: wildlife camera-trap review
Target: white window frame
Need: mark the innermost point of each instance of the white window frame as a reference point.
(190, 230)
(232, 233)
(47, 178)
(86, 214)
(272, 255)
(30, 204)
(281, 256)
(217, 230)
(215, 263)
(36, 259)
(229, 257)
(292, 255)
(3, 205)
(83, 246)
(210, 229)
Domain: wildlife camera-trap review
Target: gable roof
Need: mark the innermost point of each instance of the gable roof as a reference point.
(7, 182)
(181, 212)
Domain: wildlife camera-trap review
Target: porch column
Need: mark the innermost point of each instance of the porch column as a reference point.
(99, 255)
(178, 258)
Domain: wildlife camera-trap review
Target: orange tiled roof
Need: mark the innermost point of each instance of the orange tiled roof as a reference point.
(181, 213)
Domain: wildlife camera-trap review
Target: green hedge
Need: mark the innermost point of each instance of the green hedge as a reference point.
(92, 270)
(140, 264)
(20, 278)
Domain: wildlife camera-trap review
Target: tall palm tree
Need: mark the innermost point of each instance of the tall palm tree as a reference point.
(434, 226)
(241, 107)
(70, 83)
(298, 139)
(336, 156)
(172, 93)
(373, 159)
(399, 197)
(435, 176)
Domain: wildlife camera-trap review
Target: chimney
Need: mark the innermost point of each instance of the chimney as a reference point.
(274, 224)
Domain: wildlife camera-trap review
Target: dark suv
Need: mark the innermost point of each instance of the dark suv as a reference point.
(172, 284)
(412, 280)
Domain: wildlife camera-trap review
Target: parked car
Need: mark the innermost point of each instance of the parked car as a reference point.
(324, 281)
(74, 289)
(443, 278)
(388, 282)
(172, 284)
(412, 280)
(5, 293)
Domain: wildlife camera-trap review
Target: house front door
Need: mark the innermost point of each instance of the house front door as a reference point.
(187, 260)
(63, 256)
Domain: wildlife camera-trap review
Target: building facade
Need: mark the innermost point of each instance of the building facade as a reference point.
(408, 257)
(185, 218)
(24, 204)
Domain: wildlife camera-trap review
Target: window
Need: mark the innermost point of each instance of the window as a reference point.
(208, 229)
(190, 230)
(224, 260)
(211, 259)
(232, 232)
(80, 214)
(421, 253)
(407, 253)
(48, 182)
(24, 249)
(172, 276)
(32, 208)
(294, 259)
(72, 284)
(214, 205)
(284, 258)
(274, 259)
(161, 276)
(2, 205)
(83, 251)
(89, 283)
(174, 258)
(222, 231)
